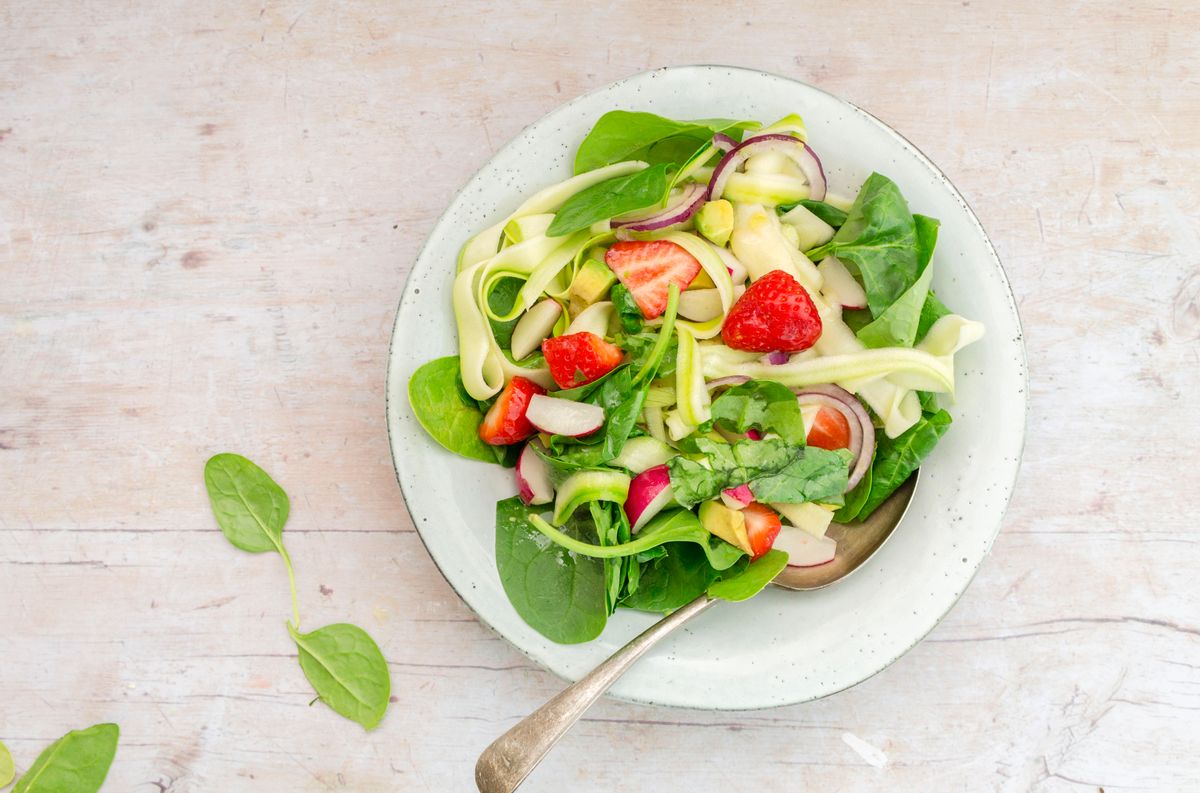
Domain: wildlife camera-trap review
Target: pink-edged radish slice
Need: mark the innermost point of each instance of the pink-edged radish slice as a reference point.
(803, 549)
(563, 417)
(700, 305)
(737, 497)
(649, 492)
(534, 327)
(533, 477)
(840, 287)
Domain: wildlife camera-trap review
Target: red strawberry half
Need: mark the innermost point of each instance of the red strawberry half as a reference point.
(647, 269)
(775, 313)
(762, 527)
(579, 358)
(505, 421)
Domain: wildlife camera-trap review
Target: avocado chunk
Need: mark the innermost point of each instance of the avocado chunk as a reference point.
(590, 284)
(715, 221)
(728, 524)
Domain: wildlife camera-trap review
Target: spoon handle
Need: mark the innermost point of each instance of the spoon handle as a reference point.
(504, 765)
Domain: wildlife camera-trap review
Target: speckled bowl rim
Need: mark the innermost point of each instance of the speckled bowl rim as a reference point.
(389, 405)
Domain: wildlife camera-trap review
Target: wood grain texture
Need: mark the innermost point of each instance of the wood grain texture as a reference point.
(207, 213)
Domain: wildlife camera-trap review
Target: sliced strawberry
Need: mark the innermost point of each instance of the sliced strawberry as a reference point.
(648, 268)
(775, 313)
(830, 430)
(579, 358)
(505, 421)
(762, 526)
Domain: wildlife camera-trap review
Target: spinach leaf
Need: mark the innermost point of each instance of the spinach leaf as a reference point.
(762, 404)
(627, 309)
(856, 497)
(443, 409)
(775, 470)
(78, 762)
(896, 458)
(7, 769)
(640, 346)
(899, 324)
(249, 507)
(674, 579)
(678, 525)
(559, 594)
(500, 300)
(929, 402)
(752, 580)
(610, 198)
(347, 670)
(879, 238)
(826, 212)
(931, 312)
(626, 135)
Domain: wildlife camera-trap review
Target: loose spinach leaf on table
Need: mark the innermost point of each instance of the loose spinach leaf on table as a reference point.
(559, 594)
(341, 661)
(610, 198)
(752, 580)
(445, 411)
(762, 404)
(628, 135)
(896, 458)
(775, 470)
(78, 762)
(347, 670)
(7, 769)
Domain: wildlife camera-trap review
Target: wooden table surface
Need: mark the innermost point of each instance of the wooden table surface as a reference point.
(207, 213)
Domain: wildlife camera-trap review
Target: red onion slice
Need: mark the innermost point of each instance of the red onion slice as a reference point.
(776, 358)
(866, 430)
(793, 148)
(724, 142)
(733, 379)
(688, 204)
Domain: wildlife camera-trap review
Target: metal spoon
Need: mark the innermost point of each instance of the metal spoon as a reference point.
(504, 765)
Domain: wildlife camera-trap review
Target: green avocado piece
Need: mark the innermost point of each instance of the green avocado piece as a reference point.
(590, 284)
(715, 221)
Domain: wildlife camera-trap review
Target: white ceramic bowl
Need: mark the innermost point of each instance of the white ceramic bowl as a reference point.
(781, 647)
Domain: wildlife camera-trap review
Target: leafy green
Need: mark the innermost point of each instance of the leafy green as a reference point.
(627, 135)
(677, 577)
(677, 525)
(78, 762)
(445, 411)
(347, 670)
(627, 309)
(775, 470)
(7, 770)
(898, 325)
(933, 310)
(559, 594)
(500, 301)
(249, 506)
(826, 212)
(855, 498)
(762, 404)
(896, 458)
(752, 580)
(640, 346)
(879, 238)
(610, 198)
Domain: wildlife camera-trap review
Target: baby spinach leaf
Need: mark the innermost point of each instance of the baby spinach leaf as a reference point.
(897, 458)
(7, 770)
(856, 498)
(559, 594)
(763, 404)
(347, 670)
(627, 135)
(249, 506)
(641, 346)
(627, 309)
(672, 580)
(78, 762)
(826, 212)
(933, 310)
(879, 238)
(443, 410)
(610, 198)
(775, 470)
(752, 580)
(500, 300)
(899, 324)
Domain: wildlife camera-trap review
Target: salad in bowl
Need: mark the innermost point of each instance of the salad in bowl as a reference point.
(696, 358)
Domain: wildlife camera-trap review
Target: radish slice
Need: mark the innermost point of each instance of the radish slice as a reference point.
(533, 477)
(803, 549)
(534, 327)
(737, 497)
(563, 417)
(649, 492)
(754, 434)
(593, 319)
(793, 148)
(700, 305)
(686, 204)
(839, 286)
